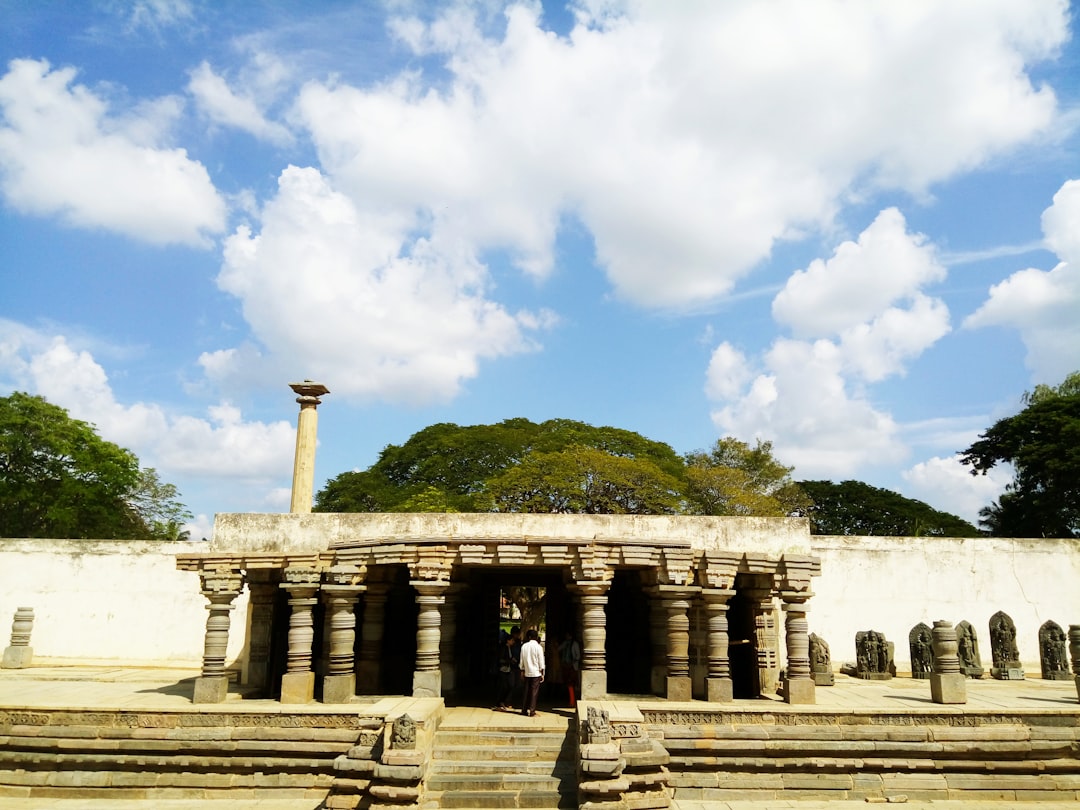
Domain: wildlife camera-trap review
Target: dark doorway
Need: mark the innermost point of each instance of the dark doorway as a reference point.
(742, 650)
(629, 646)
(399, 635)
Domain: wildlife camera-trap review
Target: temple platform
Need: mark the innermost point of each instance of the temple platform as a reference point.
(91, 738)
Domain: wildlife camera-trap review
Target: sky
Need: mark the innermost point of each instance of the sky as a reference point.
(850, 229)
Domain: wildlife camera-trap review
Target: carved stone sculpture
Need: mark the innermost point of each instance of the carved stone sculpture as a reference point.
(403, 733)
(1074, 651)
(1053, 652)
(1007, 665)
(968, 650)
(874, 656)
(821, 661)
(947, 682)
(597, 726)
(920, 643)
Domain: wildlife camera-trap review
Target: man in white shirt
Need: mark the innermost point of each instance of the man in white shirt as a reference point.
(532, 668)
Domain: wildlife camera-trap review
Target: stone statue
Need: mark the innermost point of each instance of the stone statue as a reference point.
(1053, 653)
(1007, 666)
(968, 650)
(874, 656)
(403, 735)
(597, 726)
(820, 661)
(920, 643)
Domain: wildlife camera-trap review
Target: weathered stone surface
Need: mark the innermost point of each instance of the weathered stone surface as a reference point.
(210, 690)
(948, 687)
(399, 773)
(600, 751)
(601, 767)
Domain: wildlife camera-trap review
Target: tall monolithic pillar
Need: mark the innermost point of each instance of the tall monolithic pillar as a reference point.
(303, 482)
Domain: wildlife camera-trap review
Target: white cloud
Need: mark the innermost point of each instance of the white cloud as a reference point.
(688, 138)
(62, 153)
(219, 445)
(946, 484)
(346, 296)
(219, 103)
(808, 397)
(157, 14)
(1043, 305)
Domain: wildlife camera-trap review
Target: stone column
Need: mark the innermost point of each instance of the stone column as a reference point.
(261, 608)
(718, 679)
(341, 588)
(427, 679)
(765, 652)
(798, 687)
(298, 682)
(303, 483)
(593, 638)
(1074, 651)
(676, 601)
(20, 654)
(947, 683)
(220, 587)
(369, 668)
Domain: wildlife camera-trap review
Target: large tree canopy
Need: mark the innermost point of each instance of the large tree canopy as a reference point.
(855, 508)
(563, 466)
(58, 478)
(1042, 443)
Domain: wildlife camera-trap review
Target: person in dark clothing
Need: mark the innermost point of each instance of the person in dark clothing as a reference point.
(509, 674)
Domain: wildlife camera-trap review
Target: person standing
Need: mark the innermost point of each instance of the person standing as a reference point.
(570, 665)
(532, 668)
(509, 668)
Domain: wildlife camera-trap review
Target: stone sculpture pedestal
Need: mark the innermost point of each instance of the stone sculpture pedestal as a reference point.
(948, 687)
(1008, 671)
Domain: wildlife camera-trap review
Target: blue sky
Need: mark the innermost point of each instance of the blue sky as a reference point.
(847, 229)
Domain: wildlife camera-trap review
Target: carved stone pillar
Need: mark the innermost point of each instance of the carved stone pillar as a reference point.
(718, 679)
(306, 429)
(221, 587)
(298, 682)
(19, 654)
(947, 683)
(369, 669)
(341, 588)
(593, 638)
(676, 601)
(427, 678)
(448, 638)
(798, 686)
(261, 610)
(765, 638)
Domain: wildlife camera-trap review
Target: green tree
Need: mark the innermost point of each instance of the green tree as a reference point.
(1042, 443)
(584, 480)
(855, 508)
(58, 478)
(735, 479)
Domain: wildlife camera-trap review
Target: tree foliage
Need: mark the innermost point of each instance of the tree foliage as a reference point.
(735, 479)
(58, 478)
(1042, 443)
(855, 508)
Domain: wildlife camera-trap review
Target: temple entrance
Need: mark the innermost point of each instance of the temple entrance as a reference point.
(629, 648)
(742, 653)
(480, 620)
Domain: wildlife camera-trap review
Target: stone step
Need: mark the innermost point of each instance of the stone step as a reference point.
(500, 737)
(521, 752)
(541, 767)
(511, 782)
(493, 800)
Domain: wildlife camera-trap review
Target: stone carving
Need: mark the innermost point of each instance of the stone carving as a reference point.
(968, 650)
(920, 643)
(874, 656)
(597, 726)
(947, 682)
(821, 661)
(1053, 653)
(1007, 665)
(403, 733)
(19, 654)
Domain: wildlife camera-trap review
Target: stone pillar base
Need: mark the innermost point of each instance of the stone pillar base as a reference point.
(210, 690)
(680, 687)
(593, 684)
(719, 690)
(427, 684)
(799, 692)
(298, 687)
(338, 688)
(17, 657)
(948, 687)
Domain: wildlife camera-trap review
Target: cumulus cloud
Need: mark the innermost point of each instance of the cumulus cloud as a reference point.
(1043, 305)
(866, 307)
(346, 295)
(63, 153)
(948, 485)
(220, 444)
(226, 107)
(688, 138)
